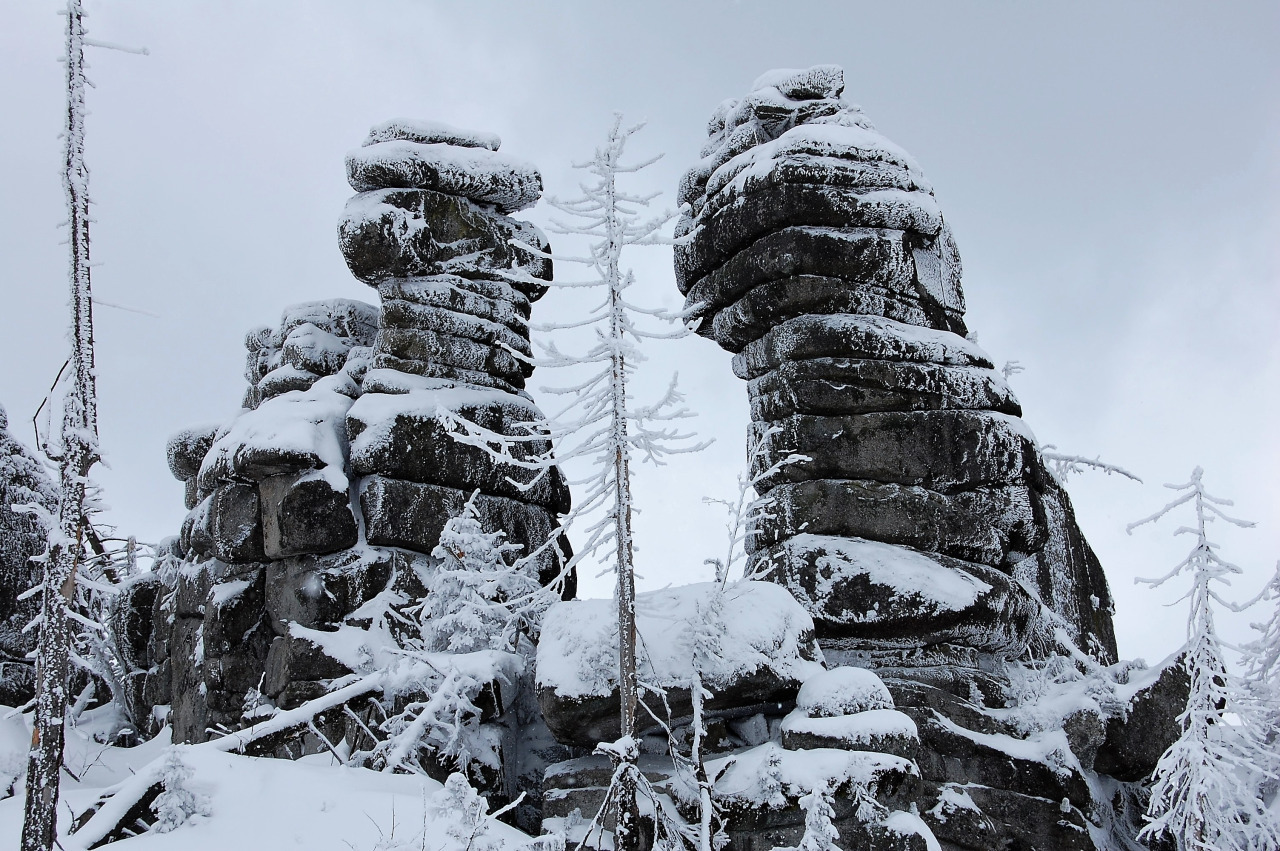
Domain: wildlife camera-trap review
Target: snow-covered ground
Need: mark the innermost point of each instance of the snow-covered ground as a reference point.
(254, 802)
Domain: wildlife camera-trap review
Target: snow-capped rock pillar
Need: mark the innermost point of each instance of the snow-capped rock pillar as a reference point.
(819, 256)
(430, 231)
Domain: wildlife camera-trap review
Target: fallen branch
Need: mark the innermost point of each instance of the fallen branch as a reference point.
(125, 803)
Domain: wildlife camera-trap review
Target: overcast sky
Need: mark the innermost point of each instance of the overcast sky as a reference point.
(1111, 172)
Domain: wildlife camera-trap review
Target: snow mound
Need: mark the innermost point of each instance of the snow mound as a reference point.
(764, 628)
(857, 731)
(842, 691)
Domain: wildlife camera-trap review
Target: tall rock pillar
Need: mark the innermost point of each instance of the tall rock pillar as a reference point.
(923, 518)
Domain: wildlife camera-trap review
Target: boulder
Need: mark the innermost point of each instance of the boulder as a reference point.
(842, 691)
(474, 172)
(306, 513)
(878, 730)
(319, 591)
(1148, 725)
(766, 652)
(397, 233)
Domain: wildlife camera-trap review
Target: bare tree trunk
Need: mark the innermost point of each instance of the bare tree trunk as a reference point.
(80, 451)
(627, 834)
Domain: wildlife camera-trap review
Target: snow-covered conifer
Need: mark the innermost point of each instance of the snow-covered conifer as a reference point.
(820, 832)
(177, 802)
(467, 605)
(1206, 787)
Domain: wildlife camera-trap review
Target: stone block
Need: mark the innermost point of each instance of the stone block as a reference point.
(415, 445)
(891, 596)
(396, 233)
(305, 514)
(317, 591)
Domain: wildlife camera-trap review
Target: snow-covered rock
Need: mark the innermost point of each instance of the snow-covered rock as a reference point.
(842, 691)
(767, 651)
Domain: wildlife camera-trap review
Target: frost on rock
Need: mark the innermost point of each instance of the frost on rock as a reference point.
(767, 650)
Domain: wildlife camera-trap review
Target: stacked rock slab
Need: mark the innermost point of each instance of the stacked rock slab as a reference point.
(916, 521)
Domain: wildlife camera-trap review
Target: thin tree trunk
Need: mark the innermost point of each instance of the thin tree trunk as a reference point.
(80, 450)
(627, 834)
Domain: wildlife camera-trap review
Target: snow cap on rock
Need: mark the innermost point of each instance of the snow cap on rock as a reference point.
(815, 83)
(429, 133)
(842, 691)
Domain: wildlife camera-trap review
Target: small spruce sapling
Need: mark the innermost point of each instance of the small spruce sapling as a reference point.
(820, 832)
(177, 802)
(1205, 789)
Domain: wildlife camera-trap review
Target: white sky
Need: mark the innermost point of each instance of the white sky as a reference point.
(1110, 170)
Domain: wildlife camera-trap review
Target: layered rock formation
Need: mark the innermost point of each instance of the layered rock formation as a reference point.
(820, 258)
(335, 481)
(916, 523)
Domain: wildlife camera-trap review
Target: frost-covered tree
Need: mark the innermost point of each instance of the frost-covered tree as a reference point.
(1206, 788)
(468, 596)
(76, 455)
(79, 452)
(601, 422)
(1262, 673)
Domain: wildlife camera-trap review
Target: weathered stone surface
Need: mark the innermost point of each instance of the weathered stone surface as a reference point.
(397, 233)
(1069, 576)
(1136, 738)
(410, 316)
(987, 818)
(951, 754)
(227, 525)
(890, 596)
(982, 525)
(428, 369)
(412, 443)
(496, 301)
(294, 659)
(862, 257)
(845, 335)
(752, 316)
(832, 386)
(479, 174)
(318, 591)
(457, 352)
(939, 450)
(304, 514)
(411, 515)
